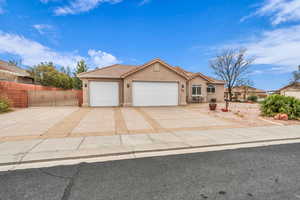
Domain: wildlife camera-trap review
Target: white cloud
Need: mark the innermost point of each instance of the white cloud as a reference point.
(2, 2)
(280, 11)
(278, 49)
(79, 6)
(32, 52)
(143, 2)
(43, 28)
(101, 59)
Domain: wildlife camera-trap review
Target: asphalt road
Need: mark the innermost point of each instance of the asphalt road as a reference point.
(255, 173)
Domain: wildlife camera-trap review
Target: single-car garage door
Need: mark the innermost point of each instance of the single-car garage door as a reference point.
(155, 94)
(104, 93)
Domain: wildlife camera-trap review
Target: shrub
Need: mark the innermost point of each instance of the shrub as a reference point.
(276, 104)
(4, 105)
(252, 98)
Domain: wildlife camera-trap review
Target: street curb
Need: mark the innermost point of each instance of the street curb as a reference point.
(145, 151)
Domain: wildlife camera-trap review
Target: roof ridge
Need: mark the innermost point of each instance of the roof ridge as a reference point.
(151, 62)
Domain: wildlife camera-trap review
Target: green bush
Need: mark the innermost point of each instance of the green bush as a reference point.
(252, 98)
(275, 104)
(4, 105)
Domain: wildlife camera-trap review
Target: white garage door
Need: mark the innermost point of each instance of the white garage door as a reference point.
(155, 94)
(104, 93)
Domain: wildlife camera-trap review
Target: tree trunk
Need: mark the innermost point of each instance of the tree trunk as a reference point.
(230, 93)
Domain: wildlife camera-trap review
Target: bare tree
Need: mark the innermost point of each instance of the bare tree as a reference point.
(245, 85)
(296, 76)
(15, 62)
(231, 65)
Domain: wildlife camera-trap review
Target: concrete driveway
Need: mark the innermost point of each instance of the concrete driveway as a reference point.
(58, 122)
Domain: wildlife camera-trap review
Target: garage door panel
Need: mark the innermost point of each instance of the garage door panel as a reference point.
(155, 94)
(104, 93)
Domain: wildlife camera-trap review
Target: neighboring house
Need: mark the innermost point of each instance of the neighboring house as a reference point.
(241, 93)
(155, 83)
(9, 72)
(292, 90)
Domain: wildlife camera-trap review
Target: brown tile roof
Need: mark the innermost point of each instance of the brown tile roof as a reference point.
(250, 89)
(122, 71)
(113, 71)
(296, 84)
(193, 75)
(5, 66)
(152, 62)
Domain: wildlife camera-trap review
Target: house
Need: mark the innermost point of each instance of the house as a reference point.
(292, 90)
(241, 93)
(9, 72)
(154, 83)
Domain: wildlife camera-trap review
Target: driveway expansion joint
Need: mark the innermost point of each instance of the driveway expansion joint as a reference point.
(27, 152)
(152, 122)
(83, 139)
(69, 123)
(120, 125)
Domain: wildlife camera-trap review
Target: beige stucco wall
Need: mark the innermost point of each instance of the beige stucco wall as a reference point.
(292, 91)
(219, 94)
(150, 74)
(85, 89)
(197, 81)
(159, 73)
(8, 77)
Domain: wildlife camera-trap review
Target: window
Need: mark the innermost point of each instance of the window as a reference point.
(196, 90)
(211, 89)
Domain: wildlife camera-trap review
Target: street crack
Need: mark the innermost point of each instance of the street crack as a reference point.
(68, 189)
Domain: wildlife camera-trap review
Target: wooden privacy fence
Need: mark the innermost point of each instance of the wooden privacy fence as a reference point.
(53, 98)
(24, 95)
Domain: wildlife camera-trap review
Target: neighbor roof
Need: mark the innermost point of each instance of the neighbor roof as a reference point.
(5, 66)
(122, 71)
(241, 88)
(297, 84)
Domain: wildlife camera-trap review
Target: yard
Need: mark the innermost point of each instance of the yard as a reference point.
(58, 122)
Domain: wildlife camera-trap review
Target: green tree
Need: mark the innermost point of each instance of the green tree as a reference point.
(46, 74)
(81, 67)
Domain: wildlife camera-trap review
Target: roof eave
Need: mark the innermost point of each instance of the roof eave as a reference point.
(106, 77)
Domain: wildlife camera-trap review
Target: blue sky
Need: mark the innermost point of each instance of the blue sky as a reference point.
(186, 33)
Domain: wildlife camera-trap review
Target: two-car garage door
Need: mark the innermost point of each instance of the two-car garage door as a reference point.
(154, 94)
(143, 93)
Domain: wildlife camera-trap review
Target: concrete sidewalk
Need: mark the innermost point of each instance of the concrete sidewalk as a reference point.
(17, 154)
